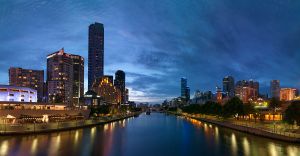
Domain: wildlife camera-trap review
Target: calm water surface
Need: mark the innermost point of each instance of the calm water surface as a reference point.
(148, 135)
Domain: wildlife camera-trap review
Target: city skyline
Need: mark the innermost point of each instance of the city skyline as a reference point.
(155, 57)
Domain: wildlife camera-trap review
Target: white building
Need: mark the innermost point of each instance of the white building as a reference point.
(17, 94)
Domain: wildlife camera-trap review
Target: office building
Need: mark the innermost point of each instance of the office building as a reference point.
(96, 53)
(185, 90)
(60, 77)
(247, 90)
(33, 79)
(288, 94)
(228, 86)
(275, 89)
(120, 84)
(78, 78)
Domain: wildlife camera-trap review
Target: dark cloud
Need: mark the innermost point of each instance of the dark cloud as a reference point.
(157, 42)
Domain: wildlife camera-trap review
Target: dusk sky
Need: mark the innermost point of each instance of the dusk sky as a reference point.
(156, 42)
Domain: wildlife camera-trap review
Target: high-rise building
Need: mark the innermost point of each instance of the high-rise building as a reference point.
(288, 94)
(60, 77)
(247, 90)
(104, 87)
(275, 89)
(96, 52)
(228, 86)
(120, 84)
(78, 78)
(33, 79)
(126, 95)
(185, 90)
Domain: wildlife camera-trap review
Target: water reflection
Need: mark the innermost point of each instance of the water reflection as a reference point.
(54, 145)
(233, 144)
(34, 146)
(4, 147)
(246, 146)
(156, 134)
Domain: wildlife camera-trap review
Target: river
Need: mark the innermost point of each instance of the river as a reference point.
(147, 135)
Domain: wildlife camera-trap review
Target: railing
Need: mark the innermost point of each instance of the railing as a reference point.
(55, 126)
(278, 128)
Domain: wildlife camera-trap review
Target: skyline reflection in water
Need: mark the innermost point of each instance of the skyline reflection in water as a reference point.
(155, 134)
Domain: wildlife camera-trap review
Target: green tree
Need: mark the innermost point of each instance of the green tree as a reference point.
(274, 103)
(233, 107)
(292, 113)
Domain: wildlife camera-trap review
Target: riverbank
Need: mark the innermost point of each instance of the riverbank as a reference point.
(22, 129)
(288, 137)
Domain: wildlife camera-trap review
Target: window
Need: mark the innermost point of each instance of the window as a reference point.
(11, 95)
(11, 99)
(22, 100)
(22, 95)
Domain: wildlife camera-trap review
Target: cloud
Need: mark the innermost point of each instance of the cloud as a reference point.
(158, 42)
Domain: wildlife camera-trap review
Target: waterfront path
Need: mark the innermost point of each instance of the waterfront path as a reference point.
(31, 128)
(270, 130)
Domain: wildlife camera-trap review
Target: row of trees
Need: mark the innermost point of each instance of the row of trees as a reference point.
(236, 108)
(232, 108)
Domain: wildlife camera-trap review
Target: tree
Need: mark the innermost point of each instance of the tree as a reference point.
(292, 113)
(274, 103)
(233, 107)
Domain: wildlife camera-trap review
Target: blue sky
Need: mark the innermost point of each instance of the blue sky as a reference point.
(159, 41)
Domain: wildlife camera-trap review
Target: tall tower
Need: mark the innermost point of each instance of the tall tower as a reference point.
(78, 77)
(185, 90)
(120, 84)
(96, 53)
(228, 86)
(183, 87)
(275, 89)
(60, 77)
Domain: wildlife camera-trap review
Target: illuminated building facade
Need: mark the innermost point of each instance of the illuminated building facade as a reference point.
(96, 53)
(17, 94)
(78, 78)
(275, 89)
(246, 94)
(228, 86)
(247, 90)
(105, 88)
(60, 77)
(288, 94)
(28, 78)
(219, 95)
(120, 84)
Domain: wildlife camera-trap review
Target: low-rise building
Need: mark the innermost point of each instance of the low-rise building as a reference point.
(17, 94)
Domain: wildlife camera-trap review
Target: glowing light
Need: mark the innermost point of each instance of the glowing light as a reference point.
(292, 151)
(4, 148)
(34, 146)
(246, 146)
(272, 149)
(233, 144)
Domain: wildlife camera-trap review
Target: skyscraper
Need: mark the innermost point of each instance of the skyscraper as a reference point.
(228, 86)
(185, 90)
(33, 79)
(120, 84)
(60, 77)
(183, 87)
(96, 53)
(78, 77)
(275, 89)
